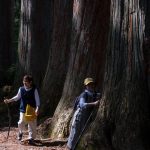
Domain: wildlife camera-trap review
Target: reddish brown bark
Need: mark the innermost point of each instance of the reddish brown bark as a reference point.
(89, 37)
(34, 40)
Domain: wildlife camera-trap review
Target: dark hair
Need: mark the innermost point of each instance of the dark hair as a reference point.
(28, 78)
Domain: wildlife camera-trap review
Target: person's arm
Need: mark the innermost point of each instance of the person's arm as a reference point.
(15, 98)
(37, 100)
(83, 104)
(92, 104)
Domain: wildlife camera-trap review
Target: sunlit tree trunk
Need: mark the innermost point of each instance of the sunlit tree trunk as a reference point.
(34, 38)
(89, 36)
(58, 56)
(122, 122)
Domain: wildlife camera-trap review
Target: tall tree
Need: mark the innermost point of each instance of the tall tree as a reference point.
(146, 45)
(34, 38)
(89, 37)
(5, 38)
(58, 56)
(122, 122)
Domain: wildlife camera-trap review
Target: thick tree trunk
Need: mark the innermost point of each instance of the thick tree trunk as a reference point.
(122, 121)
(34, 41)
(146, 45)
(5, 39)
(89, 36)
(58, 56)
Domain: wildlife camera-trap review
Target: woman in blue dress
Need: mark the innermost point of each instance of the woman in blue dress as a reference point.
(87, 101)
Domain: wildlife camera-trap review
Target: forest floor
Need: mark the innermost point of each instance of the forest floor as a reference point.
(13, 144)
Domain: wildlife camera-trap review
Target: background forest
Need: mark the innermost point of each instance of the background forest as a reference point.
(61, 42)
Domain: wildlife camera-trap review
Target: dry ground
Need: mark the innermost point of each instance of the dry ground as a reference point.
(13, 144)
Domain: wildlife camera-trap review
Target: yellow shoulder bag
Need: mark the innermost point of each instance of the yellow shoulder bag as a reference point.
(30, 113)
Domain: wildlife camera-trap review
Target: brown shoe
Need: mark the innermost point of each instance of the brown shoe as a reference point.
(20, 136)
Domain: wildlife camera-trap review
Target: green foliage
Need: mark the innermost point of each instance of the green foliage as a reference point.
(10, 74)
(7, 82)
(12, 69)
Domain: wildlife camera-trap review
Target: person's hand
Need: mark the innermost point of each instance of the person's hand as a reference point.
(97, 102)
(6, 101)
(37, 112)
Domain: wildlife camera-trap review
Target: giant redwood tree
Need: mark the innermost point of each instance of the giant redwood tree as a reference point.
(122, 121)
(34, 37)
(88, 44)
(106, 40)
(58, 56)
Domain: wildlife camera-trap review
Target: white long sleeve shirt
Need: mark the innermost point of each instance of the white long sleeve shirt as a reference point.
(18, 96)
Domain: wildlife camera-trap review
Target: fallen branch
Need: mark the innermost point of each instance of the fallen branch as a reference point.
(45, 142)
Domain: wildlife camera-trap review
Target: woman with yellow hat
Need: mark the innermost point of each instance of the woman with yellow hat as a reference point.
(87, 101)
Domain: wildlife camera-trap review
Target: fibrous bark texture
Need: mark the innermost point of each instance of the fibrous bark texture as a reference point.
(58, 56)
(88, 44)
(34, 40)
(122, 121)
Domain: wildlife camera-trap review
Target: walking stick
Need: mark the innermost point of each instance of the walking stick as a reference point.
(9, 119)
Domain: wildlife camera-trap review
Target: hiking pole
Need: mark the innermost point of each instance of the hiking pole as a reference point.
(9, 117)
(82, 130)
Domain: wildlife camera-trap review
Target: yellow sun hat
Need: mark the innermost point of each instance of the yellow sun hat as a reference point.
(88, 80)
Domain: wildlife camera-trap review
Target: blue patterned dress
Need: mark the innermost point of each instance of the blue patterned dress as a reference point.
(80, 118)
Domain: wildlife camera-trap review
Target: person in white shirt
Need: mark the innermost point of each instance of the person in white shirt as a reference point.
(29, 97)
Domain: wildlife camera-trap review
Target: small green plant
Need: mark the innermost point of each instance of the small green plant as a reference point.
(10, 74)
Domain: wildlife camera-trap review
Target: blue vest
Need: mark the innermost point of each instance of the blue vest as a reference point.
(27, 97)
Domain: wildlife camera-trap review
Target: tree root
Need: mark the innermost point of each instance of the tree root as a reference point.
(44, 142)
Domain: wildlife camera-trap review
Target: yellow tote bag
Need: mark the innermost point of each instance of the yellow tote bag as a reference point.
(30, 113)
